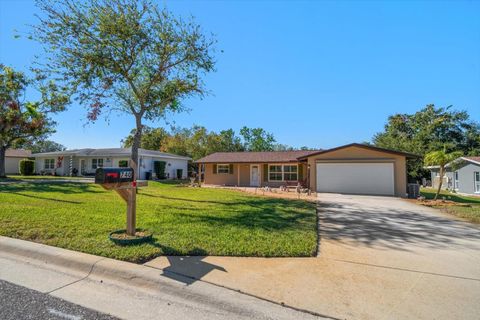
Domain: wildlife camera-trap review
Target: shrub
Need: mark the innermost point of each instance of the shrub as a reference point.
(159, 168)
(123, 163)
(27, 167)
(179, 173)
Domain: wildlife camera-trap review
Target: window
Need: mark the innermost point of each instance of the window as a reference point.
(223, 168)
(275, 173)
(49, 164)
(97, 163)
(455, 180)
(123, 163)
(477, 181)
(290, 173)
(283, 173)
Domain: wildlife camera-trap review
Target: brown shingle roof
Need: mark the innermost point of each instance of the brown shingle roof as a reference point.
(255, 157)
(18, 153)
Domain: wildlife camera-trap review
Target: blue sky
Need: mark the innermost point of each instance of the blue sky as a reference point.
(319, 74)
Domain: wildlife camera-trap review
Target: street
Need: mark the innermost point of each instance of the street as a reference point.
(17, 302)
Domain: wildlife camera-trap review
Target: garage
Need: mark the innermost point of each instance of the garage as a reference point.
(372, 178)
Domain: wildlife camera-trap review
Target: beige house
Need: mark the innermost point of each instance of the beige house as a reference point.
(351, 169)
(12, 160)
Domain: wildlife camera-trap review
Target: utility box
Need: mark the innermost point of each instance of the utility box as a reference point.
(113, 175)
(413, 190)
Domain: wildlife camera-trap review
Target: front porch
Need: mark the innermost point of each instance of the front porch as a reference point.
(273, 192)
(274, 175)
(81, 166)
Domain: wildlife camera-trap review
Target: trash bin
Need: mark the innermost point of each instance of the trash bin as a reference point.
(413, 190)
(179, 173)
(148, 175)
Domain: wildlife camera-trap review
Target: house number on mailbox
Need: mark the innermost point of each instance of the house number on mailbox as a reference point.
(126, 174)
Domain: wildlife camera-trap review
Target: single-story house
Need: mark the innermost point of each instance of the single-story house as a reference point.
(352, 169)
(86, 161)
(12, 160)
(462, 175)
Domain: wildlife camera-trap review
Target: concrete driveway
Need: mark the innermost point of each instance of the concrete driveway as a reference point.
(379, 258)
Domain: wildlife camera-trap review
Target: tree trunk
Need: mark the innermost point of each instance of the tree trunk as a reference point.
(440, 183)
(137, 138)
(136, 144)
(132, 198)
(3, 150)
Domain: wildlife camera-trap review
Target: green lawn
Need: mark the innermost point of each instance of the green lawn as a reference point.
(185, 221)
(39, 177)
(470, 212)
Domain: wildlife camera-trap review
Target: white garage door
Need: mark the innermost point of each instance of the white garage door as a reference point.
(356, 178)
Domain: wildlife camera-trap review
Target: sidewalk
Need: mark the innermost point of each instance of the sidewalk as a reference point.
(126, 290)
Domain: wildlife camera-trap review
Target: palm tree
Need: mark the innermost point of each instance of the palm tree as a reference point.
(441, 158)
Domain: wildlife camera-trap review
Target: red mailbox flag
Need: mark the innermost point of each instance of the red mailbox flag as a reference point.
(112, 175)
(134, 184)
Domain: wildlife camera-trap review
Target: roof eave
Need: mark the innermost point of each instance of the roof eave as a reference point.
(244, 162)
(360, 145)
(470, 160)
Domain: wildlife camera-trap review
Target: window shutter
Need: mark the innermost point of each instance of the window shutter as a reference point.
(300, 172)
(214, 169)
(265, 172)
(230, 170)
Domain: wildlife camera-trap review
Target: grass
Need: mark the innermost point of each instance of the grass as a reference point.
(39, 177)
(184, 221)
(470, 212)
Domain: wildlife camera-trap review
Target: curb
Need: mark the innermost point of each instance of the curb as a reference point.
(83, 264)
(101, 269)
(48, 256)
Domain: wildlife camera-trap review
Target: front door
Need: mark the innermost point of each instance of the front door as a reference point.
(254, 175)
(82, 167)
(477, 181)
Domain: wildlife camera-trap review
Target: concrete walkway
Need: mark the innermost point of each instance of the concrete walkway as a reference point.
(379, 258)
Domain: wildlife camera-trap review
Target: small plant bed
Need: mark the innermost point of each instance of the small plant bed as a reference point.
(466, 207)
(441, 203)
(121, 237)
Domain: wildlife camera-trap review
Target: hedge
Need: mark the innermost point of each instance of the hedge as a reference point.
(27, 167)
(159, 168)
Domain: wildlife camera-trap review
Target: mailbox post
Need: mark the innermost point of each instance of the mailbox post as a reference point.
(122, 180)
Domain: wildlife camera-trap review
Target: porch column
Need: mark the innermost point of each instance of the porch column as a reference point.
(238, 175)
(71, 166)
(308, 176)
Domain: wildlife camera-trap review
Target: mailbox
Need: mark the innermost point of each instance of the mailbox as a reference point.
(113, 175)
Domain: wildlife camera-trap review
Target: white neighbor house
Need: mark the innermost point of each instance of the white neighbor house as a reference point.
(86, 161)
(12, 160)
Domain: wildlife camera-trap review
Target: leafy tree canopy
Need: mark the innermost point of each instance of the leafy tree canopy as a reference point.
(124, 55)
(22, 120)
(430, 129)
(152, 138)
(257, 139)
(197, 141)
(44, 146)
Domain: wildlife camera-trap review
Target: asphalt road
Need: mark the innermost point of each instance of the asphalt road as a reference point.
(20, 303)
